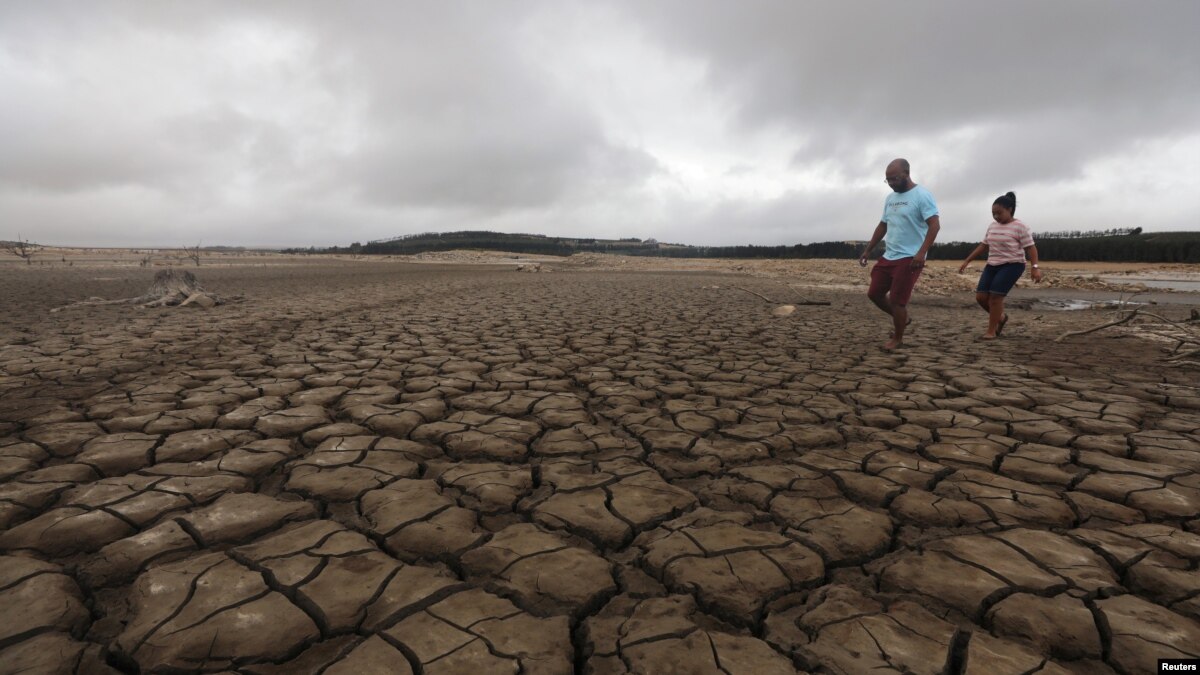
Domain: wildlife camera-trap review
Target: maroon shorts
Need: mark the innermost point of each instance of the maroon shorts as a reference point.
(895, 276)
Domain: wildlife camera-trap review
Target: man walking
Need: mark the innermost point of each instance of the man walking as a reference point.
(908, 227)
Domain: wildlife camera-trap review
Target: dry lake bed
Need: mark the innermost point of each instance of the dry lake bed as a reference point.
(379, 467)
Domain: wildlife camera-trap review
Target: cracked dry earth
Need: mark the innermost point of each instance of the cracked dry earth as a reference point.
(386, 469)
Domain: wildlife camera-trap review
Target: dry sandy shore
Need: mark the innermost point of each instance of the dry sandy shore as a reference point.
(385, 467)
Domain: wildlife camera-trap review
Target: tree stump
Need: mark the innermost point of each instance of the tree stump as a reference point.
(169, 289)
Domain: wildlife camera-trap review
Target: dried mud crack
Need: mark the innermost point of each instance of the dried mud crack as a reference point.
(437, 469)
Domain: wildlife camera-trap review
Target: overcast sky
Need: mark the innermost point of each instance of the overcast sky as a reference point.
(702, 122)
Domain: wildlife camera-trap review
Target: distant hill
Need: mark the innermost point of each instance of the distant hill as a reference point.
(501, 241)
(564, 246)
(1101, 246)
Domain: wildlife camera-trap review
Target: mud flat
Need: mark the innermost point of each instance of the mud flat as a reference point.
(387, 467)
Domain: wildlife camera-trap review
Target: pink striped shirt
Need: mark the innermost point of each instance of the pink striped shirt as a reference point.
(1007, 243)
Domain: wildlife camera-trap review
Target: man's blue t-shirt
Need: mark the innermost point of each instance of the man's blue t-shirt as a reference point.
(905, 214)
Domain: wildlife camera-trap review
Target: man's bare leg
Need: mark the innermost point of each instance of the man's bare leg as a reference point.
(899, 323)
(881, 301)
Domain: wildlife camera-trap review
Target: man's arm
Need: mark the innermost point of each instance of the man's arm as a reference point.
(934, 224)
(880, 230)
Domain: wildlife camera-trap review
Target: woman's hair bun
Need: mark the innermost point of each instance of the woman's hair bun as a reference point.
(1008, 200)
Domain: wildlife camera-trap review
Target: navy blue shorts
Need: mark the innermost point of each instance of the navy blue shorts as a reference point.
(999, 279)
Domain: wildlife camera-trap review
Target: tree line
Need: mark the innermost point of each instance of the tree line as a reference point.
(1115, 245)
(1136, 246)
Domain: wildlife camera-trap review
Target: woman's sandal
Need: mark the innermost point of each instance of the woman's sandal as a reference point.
(1000, 328)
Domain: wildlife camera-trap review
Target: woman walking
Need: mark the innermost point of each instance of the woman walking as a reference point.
(1006, 242)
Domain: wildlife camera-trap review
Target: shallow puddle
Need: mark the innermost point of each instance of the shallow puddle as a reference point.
(1075, 304)
(1175, 282)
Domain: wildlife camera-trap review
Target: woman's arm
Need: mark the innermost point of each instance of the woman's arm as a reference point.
(1034, 270)
(974, 254)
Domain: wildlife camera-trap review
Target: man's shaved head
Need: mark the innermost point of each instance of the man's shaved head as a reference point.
(897, 175)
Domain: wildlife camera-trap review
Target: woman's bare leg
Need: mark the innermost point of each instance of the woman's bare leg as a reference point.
(995, 314)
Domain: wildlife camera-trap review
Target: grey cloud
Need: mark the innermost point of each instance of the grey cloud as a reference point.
(448, 113)
(459, 117)
(793, 217)
(305, 122)
(917, 65)
(73, 123)
(849, 74)
(490, 154)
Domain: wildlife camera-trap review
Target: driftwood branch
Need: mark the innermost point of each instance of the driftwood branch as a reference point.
(1183, 333)
(773, 302)
(1110, 324)
(758, 295)
(1184, 355)
(803, 300)
(1164, 319)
